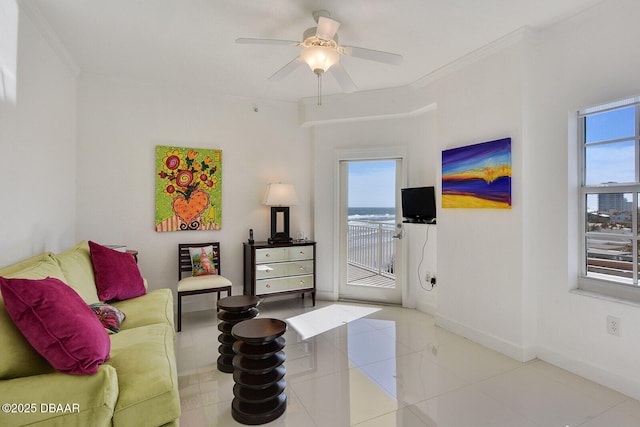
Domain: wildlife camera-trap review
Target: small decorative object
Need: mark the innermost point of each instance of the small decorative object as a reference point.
(201, 261)
(251, 235)
(477, 176)
(280, 197)
(188, 189)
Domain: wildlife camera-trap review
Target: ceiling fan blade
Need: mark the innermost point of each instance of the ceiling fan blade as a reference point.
(287, 69)
(266, 41)
(327, 28)
(343, 78)
(371, 55)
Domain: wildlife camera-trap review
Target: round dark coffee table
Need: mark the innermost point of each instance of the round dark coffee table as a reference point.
(233, 310)
(259, 395)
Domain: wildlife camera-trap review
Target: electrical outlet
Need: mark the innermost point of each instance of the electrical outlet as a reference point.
(613, 325)
(427, 276)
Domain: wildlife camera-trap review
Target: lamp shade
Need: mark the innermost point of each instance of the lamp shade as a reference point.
(319, 57)
(280, 195)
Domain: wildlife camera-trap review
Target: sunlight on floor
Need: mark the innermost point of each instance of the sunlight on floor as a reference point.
(316, 322)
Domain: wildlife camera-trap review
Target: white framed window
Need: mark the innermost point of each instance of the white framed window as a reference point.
(609, 142)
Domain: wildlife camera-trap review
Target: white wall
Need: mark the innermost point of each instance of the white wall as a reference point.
(413, 134)
(38, 146)
(480, 250)
(120, 125)
(584, 61)
(422, 257)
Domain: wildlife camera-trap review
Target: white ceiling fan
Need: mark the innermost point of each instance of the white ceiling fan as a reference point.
(321, 52)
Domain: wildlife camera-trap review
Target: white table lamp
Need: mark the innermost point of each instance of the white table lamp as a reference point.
(280, 196)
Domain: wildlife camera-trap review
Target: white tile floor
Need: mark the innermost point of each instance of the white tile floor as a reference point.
(395, 368)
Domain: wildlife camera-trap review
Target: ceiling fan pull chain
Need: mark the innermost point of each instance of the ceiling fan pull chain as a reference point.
(319, 88)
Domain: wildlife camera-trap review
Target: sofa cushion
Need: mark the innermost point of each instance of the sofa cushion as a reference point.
(152, 308)
(90, 399)
(17, 357)
(145, 360)
(117, 274)
(77, 267)
(42, 267)
(57, 323)
(110, 317)
(9, 270)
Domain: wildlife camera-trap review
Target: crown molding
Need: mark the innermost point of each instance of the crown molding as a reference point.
(33, 13)
(483, 52)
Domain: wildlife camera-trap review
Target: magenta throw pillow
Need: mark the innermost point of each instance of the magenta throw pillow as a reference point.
(57, 323)
(117, 274)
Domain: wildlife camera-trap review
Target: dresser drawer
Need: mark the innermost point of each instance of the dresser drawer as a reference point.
(300, 252)
(282, 269)
(269, 286)
(270, 255)
(267, 255)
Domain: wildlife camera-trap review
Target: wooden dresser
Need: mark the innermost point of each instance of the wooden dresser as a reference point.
(280, 269)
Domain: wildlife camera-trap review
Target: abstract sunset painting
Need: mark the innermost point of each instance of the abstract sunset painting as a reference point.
(477, 176)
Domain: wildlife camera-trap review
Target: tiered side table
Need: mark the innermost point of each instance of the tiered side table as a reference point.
(259, 374)
(233, 310)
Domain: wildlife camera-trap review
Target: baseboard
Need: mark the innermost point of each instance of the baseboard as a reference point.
(515, 351)
(426, 308)
(598, 374)
(326, 295)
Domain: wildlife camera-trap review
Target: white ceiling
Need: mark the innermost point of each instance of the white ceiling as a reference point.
(191, 43)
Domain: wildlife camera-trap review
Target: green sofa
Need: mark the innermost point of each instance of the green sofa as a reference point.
(136, 386)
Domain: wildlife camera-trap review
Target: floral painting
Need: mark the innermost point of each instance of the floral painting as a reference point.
(188, 189)
(477, 176)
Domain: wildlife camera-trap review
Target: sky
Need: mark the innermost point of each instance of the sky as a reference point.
(372, 184)
(612, 162)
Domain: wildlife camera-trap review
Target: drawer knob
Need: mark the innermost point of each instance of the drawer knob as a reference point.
(268, 286)
(302, 282)
(267, 255)
(301, 268)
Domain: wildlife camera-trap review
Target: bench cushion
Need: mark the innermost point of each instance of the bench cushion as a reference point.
(197, 283)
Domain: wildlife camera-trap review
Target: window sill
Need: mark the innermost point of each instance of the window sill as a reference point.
(605, 297)
(608, 291)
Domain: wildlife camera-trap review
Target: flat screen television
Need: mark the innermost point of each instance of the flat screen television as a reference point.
(419, 205)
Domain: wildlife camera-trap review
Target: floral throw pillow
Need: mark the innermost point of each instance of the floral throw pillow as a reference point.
(110, 317)
(202, 261)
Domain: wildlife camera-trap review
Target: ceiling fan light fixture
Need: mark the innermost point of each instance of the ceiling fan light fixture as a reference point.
(319, 58)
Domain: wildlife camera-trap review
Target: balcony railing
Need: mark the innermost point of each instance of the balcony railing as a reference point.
(371, 246)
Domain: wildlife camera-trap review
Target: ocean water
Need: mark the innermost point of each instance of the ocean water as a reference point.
(373, 214)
